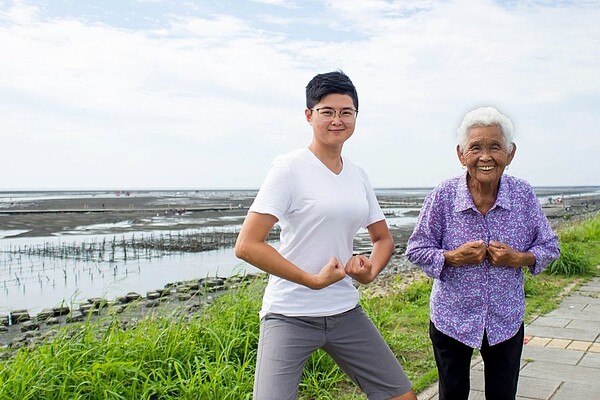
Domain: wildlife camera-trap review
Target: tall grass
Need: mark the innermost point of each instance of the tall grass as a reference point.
(580, 249)
(207, 356)
(572, 261)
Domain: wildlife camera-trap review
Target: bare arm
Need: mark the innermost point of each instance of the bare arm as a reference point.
(364, 269)
(251, 246)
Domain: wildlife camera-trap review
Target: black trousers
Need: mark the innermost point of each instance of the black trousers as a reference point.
(501, 366)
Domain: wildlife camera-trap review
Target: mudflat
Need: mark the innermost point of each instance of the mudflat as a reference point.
(110, 213)
(118, 214)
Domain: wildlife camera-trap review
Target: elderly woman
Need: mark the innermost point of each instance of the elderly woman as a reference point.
(475, 235)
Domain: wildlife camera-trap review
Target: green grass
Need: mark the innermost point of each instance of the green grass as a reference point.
(211, 355)
(208, 356)
(580, 248)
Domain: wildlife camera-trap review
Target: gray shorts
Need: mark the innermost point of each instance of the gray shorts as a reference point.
(350, 338)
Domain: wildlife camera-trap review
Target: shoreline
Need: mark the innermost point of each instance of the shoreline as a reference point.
(150, 211)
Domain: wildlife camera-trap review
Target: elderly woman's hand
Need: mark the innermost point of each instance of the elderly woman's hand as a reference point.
(502, 255)
(470, 253)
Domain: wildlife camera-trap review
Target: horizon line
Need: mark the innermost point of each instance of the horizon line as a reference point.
(25, 190)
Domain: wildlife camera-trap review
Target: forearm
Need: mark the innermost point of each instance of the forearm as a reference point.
(452, 258)
(379, 258)
(424, 246)
(268, 259)
(523, 259)
(430, 259)
(381, 254)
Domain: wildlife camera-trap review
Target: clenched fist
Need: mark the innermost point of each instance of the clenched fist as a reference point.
(331, 272)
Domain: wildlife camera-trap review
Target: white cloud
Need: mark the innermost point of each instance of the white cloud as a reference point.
(220, 88)
(217, 27)
(20, 12)
(281, 3)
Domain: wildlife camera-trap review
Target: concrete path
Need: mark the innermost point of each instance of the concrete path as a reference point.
(561, 357)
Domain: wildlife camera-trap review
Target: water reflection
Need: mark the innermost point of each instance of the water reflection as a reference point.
(35, 282)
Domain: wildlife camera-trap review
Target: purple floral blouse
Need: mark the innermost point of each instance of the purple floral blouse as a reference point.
(469, 299)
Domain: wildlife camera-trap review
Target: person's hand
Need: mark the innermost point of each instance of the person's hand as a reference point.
(470, 253)
(331, 272)
(502, 255)
(360, 268)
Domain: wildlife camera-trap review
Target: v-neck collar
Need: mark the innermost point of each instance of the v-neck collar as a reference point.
(317, 160)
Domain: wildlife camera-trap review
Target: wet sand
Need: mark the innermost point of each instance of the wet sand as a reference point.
(119, 214)
(134, 213)
(52, 217)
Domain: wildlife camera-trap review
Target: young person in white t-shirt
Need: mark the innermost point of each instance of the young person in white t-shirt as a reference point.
(320, 199)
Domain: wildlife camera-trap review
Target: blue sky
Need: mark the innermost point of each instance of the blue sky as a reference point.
(204, 94)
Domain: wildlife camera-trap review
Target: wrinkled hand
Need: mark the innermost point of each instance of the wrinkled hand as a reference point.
(360, 268)
(331, 272)
(501, 254)
(470, 253)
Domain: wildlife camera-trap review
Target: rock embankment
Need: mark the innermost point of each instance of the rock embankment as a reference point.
(20, 329)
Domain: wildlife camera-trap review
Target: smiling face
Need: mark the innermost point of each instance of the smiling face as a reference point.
(331, 133)
(485, 155)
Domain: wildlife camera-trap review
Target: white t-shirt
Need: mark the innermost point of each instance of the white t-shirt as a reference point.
(319, 213)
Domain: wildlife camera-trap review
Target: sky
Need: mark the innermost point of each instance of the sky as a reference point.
(151, 94)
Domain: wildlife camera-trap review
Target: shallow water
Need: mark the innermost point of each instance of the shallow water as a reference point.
(33, 282)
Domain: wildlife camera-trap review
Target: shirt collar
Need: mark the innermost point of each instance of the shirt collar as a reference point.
(463, 200)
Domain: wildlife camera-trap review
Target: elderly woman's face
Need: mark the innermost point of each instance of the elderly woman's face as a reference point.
(485, 154)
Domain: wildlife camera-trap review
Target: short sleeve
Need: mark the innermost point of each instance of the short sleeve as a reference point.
(375, 212)
(274, 195)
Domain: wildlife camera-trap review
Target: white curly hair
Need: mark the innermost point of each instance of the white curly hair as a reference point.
(485, 116)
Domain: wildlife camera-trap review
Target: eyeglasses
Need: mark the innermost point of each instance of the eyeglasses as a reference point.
(328, 113)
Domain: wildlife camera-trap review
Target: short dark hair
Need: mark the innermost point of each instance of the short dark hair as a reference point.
(335, 82)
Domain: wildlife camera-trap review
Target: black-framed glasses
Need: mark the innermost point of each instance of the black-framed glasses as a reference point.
(328, 113)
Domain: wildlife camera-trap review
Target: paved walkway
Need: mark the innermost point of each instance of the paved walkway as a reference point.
(561, 357)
